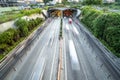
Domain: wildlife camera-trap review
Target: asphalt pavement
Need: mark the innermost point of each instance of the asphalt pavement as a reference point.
(39, 62)
(83, 59)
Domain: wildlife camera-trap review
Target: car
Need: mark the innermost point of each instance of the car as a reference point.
(69, 20)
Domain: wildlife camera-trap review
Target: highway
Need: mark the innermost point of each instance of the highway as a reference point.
(84, 60)
(82, 57)
(39, 62)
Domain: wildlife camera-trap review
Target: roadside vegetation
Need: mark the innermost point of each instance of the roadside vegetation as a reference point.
(92, 2)
(104, 25)
(115, 6)
(12, 37)
(12, 15)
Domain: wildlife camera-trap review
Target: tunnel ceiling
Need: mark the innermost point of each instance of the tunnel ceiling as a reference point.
(65, 12)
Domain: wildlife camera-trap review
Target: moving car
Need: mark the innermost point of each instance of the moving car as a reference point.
(69, 20)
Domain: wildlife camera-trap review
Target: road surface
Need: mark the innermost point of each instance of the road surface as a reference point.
(41, 59)
(83, 59)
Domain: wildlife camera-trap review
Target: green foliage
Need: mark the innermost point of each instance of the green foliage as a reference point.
(33, 23)
(112, 38)
(105, 26)
(64, 1)
(3, 47)
(105, 20)
(22, 27)
(7, 37)
(29, 12)
(10, 38)
(11, 16)
(46, 1)
(89, 2)
(90, 14)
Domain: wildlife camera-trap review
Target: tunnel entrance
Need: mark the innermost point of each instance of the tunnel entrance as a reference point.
(62, 12)
(55, 13)
(69, 13)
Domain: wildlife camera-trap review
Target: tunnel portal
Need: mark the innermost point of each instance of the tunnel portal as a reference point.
(62, 12)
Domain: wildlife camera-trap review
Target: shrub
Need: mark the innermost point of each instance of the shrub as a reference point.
(89, 15)
(104, 21)
(22, 27)
(23, 31)
(3, 47)
(112, 37)
(105, 26)
(7, 37)
(29, 12)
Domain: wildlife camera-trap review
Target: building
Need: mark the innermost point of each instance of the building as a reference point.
(8, 2)
(104, 1)
(39, 0)
(108, 1)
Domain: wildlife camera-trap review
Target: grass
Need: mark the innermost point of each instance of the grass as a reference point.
(9, 17)
(14, 14)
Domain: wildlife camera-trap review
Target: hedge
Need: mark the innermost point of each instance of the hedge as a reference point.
(32, 11)
(105, 26)
(10, 38)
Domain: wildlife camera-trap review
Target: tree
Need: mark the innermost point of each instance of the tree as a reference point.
(64, 1)
(89, 2)
(46, 1)
(117, 0)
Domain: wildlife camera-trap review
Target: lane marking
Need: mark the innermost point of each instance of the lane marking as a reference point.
(67, 27)
(75, 29)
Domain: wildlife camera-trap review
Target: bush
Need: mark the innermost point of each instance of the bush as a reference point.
(89, 15)
(22, 27)
(105, 26)
(29, 12)
(112, 38)
(10, 38)
(33, 23)
(7, 37)
(105, 20)
(3, 47)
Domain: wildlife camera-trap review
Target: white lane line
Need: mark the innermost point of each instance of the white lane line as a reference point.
(67, 27)
(65, 61)
(38, 69)
(73, 56)
(75, 29)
